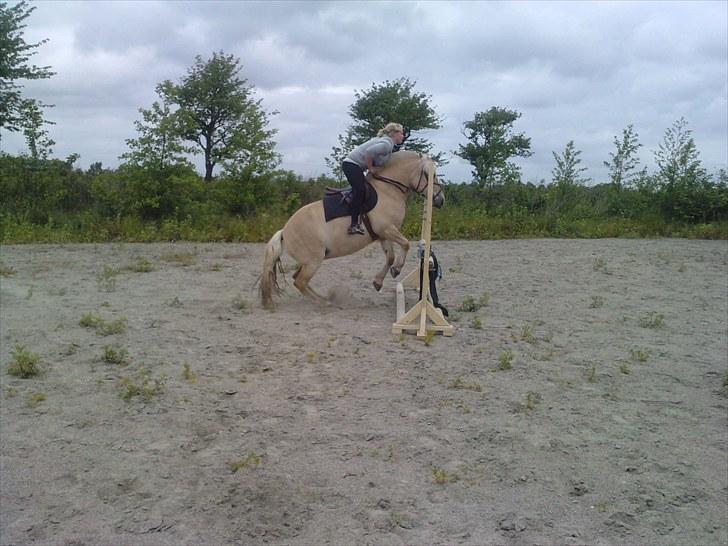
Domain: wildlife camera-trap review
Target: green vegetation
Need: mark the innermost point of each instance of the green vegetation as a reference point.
(103, 327)
(143, 385)
(114, 354)
(155, 194)
(505, 360)
(24, 364)
(251, 461)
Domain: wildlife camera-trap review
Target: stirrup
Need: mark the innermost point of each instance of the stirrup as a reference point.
(356, 229)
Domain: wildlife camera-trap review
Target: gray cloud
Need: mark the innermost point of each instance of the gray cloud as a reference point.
(576, 71)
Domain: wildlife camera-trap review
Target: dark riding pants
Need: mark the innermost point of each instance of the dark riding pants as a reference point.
(355, 176)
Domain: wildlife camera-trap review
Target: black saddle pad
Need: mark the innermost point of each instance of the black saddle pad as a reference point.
(337, 205)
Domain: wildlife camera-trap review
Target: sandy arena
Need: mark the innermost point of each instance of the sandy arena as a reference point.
(581, 403)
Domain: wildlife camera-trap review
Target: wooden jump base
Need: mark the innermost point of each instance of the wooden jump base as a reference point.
(423, 316)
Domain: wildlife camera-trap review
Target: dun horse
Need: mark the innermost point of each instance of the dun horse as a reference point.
(309, 239)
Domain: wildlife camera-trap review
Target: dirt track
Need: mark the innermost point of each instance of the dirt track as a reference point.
(318, 426)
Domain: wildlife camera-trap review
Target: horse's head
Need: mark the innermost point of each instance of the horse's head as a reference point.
(427, 168)
(408, 171)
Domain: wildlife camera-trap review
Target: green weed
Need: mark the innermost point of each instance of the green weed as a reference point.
(103, 327)
(36, 399)
(639, 355)
(527, 334)
(115, 355)
(651, 319)
(24, 364)
(596, 302)
(470, 305)
(187, 373)
(251, 461)
(475, 323)
(505, 360)
(532, 398)
(600, 264)
(183, 259)
(145, 386)
(592, 378)
(442, 476)
(459, 384)
(625, 369)
(141, 265)
(106, 278)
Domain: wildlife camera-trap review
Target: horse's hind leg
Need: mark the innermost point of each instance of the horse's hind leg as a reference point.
(389, 253)
(302, 277)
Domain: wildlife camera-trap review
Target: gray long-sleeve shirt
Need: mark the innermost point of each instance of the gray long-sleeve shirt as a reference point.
(379, 149)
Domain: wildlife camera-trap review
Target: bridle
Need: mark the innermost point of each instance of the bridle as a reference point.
(420, 190)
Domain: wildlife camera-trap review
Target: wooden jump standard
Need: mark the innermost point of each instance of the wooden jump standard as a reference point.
(423, 316)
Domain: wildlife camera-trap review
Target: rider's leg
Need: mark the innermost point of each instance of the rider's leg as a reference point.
(355, 176)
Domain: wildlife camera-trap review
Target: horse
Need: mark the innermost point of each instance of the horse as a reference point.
(309, 239)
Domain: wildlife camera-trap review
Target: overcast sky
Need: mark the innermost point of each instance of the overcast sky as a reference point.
(577, 71)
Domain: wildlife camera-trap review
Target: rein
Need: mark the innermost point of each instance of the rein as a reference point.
(404, 188)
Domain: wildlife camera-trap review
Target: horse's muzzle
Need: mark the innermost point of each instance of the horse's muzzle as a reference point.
(438, 201)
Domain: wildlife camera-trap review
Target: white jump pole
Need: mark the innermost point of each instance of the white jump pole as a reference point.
(423, 316)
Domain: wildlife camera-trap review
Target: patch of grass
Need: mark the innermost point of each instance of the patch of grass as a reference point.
(103, 327)
(141, 265)
(443, 477)
(527, 334)
(639, 355)
(251, 461)
(600, 264)
(652, 319)
(144, 386)
(187, 373)
(183, 259)
(35, 399)
(532, 399)
(106, 278)
(216, 267)
(597, 302)
(459, 384)
(114, 354)
(24, 364)
(429, 336)
(592, 378)
(505, 360)
(174, 302)
(470, 305)
(475, 323)
(6, 270)
(625, 369)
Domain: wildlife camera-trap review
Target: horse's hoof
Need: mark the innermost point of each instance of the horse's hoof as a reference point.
(377, 285)
(395, 272)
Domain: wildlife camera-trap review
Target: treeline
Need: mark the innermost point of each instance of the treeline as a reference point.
(49, 200)
(212, 112)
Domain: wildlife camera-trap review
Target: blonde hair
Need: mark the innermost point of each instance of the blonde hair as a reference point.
(390, 128)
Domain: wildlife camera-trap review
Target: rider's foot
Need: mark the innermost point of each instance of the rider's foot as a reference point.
(356, 229)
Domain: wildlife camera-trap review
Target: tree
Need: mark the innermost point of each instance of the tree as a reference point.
(567, 171)
(491, 143)
(393, 101)
(39, 143)
(159, 145)
(682, 181)
(677, 157)
(217, 112)
(624, 159)
(14, 57)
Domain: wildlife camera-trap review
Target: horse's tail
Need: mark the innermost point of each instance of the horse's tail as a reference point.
(268, 280)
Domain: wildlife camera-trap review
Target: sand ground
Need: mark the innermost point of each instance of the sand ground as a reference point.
(581, 403)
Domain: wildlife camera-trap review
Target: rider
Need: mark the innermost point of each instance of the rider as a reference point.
(369, 156)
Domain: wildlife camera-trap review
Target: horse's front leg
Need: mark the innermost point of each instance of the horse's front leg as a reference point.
(391, 233)
(389, 253)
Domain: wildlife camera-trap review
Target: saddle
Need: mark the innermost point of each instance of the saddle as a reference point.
(337, 204)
